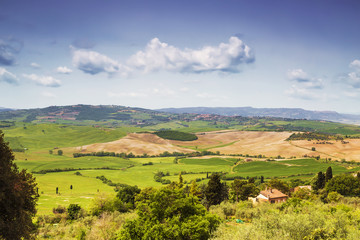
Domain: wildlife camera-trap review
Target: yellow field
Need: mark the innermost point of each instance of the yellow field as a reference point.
(270, 144)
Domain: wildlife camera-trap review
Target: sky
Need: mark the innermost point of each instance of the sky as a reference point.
(159, 54)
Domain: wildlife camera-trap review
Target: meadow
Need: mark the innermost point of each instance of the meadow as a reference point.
(43, 141)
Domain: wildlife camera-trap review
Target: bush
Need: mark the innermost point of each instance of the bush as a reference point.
(73, 211)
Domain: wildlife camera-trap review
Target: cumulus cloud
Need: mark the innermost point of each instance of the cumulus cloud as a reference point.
(8, 49)
(352, 79)
(93, 63)
(64, 70)
(8, 77)
(226, 57)
(46, 81)
(157, 56)
(355, 64)
(303, 79)
(34, 65)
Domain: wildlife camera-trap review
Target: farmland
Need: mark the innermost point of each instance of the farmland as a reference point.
(37, 142)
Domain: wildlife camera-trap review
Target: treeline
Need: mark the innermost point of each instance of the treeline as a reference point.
(313, 136)
(131, 155)
(176, 135)
(111, 184)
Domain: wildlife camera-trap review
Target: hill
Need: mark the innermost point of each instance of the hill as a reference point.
(112, 116)
(293, 113)
(5, 109)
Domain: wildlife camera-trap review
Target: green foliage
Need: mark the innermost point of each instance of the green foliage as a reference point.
(127, 195)
(279, 185)
(243, 189)
(60, 152)
(73, 211)
(215, 192)
(313, 136)
(328, 174)
(345, 184)
(319, 181)
(176, 135)
(294, 220)
(169, 214)
(17, 197)
(106, 203)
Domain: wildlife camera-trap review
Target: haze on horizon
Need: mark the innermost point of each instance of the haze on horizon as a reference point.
(160, 54)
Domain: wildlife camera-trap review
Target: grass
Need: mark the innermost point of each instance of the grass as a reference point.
(286, 168)
(40, 138)
(84, 190)
(48, 136)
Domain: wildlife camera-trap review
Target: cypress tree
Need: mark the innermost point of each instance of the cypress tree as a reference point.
(328, 174)
(214, 190)
(320, 181)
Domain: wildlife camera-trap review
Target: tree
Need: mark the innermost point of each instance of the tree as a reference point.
(127, 195)
(215, 191)
(328, 174)
(169, 214)
(279, 185)
(17, 197)
(60, 152)
(345, 184)
(242, 189)
(319, 182)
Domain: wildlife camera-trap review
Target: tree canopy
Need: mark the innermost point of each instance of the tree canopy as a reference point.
(17, 197)
(169, 214)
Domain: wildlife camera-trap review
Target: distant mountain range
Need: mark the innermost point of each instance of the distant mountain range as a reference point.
(294, 113)
(5, 109)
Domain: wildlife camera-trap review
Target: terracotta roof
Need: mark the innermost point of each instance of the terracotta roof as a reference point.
(273, 193)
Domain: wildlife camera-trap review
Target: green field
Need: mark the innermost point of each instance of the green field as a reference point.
(287, 168)
(38, 139)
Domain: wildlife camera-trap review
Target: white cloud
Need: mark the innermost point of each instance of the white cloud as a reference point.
(47, 81)
(93, 63)
(157, 56)
(6, 76)
(303, 79)
(227, 57)
(48, 94)
(64, 70)
(352, 79)
(355, 64)
(34, 65)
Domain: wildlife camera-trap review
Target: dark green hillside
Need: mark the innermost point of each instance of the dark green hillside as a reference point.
(176, 135)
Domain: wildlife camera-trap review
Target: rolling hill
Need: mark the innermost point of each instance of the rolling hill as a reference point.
(293, 113)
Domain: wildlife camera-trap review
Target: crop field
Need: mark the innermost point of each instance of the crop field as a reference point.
(288, 168)
(60, 170)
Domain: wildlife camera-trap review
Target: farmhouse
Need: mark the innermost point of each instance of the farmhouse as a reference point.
(272, 196)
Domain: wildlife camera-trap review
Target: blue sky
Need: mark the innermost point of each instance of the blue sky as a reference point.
(157, 54)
